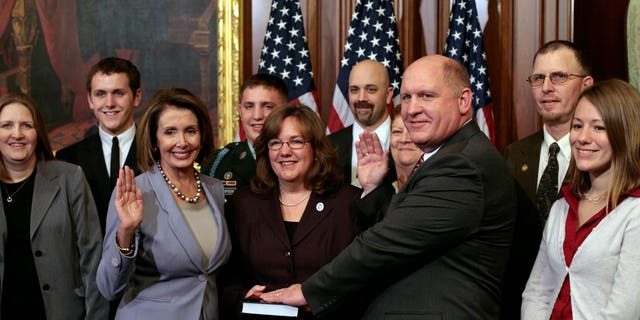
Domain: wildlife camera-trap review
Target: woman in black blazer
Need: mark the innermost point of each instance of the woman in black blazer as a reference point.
(296, 216)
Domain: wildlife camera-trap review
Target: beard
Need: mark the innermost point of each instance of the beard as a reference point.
(363, 112)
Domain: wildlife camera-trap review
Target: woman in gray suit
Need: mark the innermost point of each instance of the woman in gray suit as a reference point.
(166, 236)
(49, 232)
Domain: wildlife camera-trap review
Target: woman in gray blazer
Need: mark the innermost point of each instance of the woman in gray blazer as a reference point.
(166, 236)
(49, 231)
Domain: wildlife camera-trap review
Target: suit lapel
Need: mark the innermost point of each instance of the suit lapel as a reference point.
(316, 211)
(177, 223)
(462, 134)
(44, 191)
(95, 157)
(216, 200)
(131, 160)
(273, 217)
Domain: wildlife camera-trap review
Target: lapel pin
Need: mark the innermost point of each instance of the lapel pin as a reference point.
(243, 154)
(524, 167)
(228, 175)
(319, 206)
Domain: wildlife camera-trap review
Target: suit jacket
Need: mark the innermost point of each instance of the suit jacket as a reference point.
(234, 165)
(165, 278)
(263, 253)
(523, 158)
(88, 154)
(66, 243)
(441, 249)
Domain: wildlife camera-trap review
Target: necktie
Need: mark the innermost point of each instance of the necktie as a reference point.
(115, 161)
(419, 163)
(548, 187)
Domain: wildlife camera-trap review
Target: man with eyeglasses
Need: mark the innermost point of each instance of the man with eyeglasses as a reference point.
(540, 161)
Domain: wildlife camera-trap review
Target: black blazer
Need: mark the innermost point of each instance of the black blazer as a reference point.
(88, 154)
(442, 247)
(523, 158)
(262, 252)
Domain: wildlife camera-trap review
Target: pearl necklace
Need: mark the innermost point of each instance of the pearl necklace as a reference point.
(177, 191)
(293, 204)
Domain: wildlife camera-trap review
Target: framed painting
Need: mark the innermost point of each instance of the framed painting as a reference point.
(48, 46)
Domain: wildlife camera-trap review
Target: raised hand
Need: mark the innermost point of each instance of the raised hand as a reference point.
(373, 162)
(129, 206)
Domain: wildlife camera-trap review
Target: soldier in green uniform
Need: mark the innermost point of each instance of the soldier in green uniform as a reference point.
(235, 164)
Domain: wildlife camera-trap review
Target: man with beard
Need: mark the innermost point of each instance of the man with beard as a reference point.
(369, 96)
(560, 74)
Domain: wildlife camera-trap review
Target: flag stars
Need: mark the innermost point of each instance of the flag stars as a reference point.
(360, 52)
(482, 70)
(477, 33)
(301, 66)
(297, 17)
(388, 48)
(375, 42)
(460, 20)
(378, 26)
(363, 36)
(297, 81)
(344, 62)
(287, 61)
(347, 46)
(304, 53)
(278, 40)
(284, 74)
(293, 32)
(372, 56)
(284, 11)
(463, 5)
(381, 11)
(369, 5)
(291, 46)
(453, 52)
(365, 21)
(282, 25)
(456, 35)
(271, 69)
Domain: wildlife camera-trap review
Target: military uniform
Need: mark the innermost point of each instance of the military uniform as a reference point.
(234, 165)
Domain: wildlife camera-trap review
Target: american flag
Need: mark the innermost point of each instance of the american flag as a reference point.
(285, 52)
(373, 35)
(464, 43)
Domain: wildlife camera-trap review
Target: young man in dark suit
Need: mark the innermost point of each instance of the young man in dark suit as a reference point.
(113, 92)
(369, 97)
(235, 164)
(441, 248)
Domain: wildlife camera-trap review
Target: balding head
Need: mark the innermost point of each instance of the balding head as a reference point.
(436, 100)
(369, 93)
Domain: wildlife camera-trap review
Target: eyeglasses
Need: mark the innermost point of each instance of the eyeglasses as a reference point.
(557, 78)
(293, 144)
